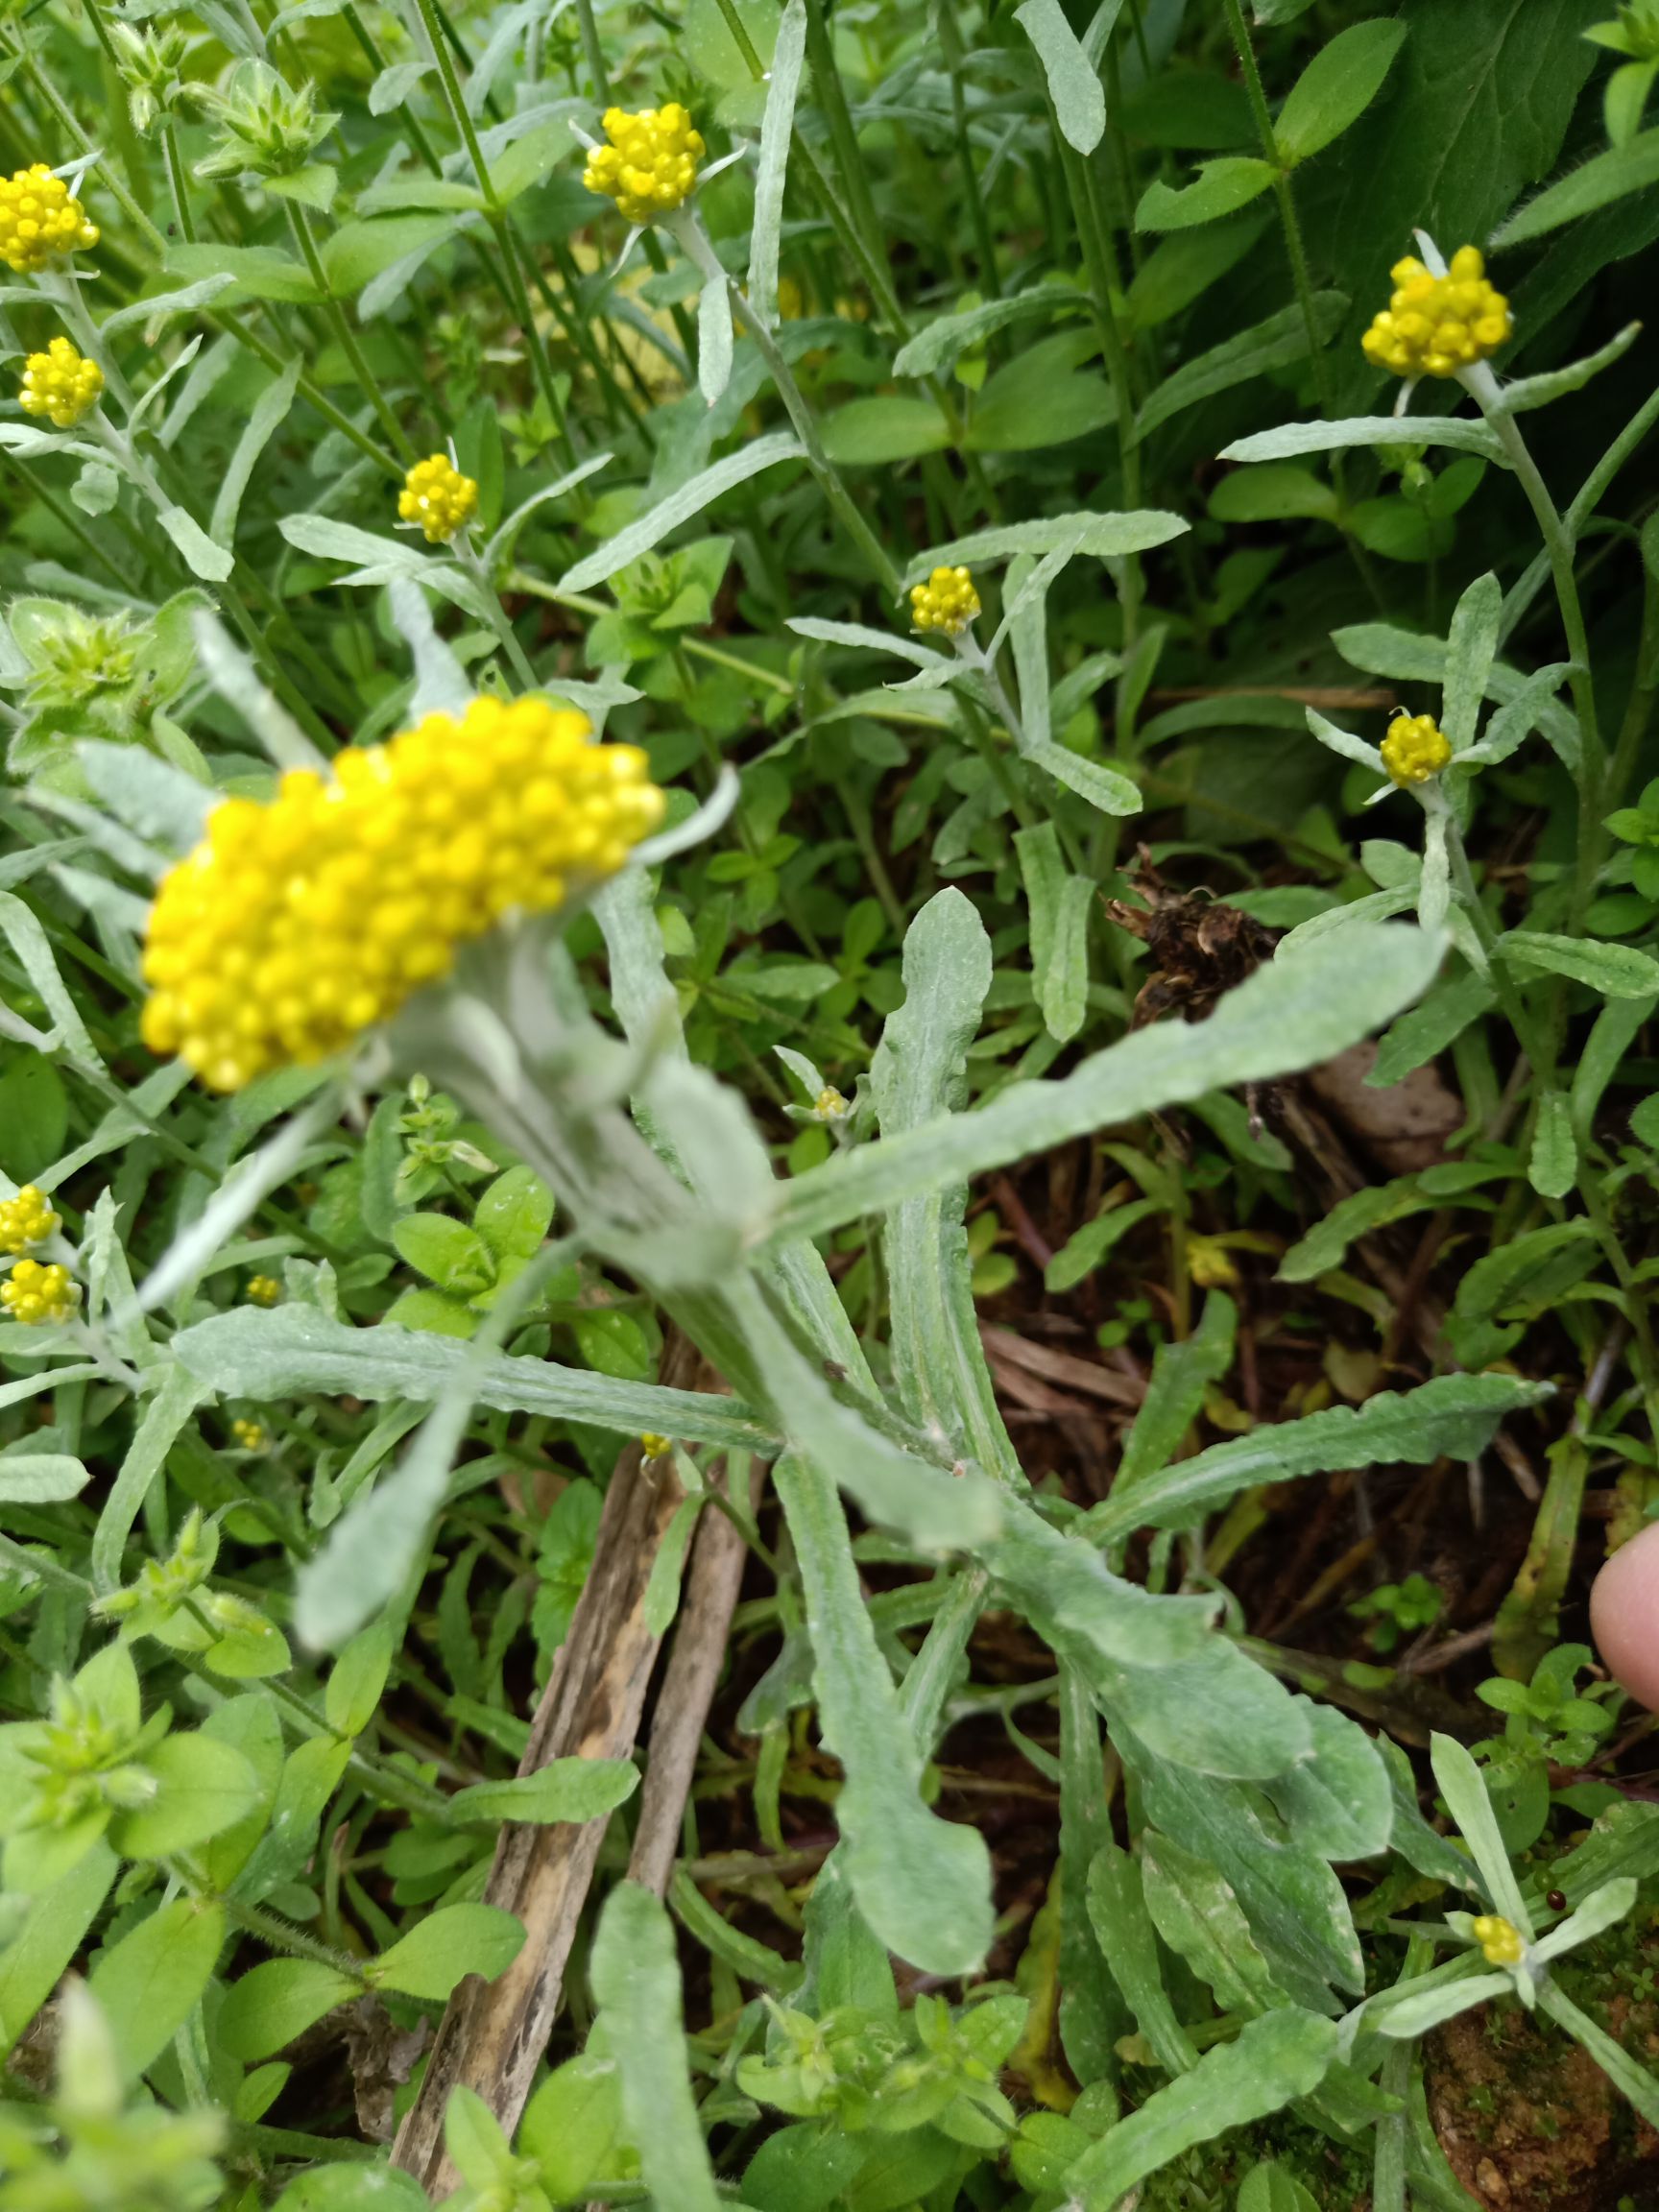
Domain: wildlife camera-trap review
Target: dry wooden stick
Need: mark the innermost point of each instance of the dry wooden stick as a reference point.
(689, 1686)
(494, 2034)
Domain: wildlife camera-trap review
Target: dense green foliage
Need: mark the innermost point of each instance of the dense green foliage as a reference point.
(315, 1392)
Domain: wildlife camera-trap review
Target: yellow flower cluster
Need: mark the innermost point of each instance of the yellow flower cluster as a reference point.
(250, 1437)
(650, 166)
(1500, 1940)
(439, 497)
(297, 925)
(38, 1295)
(948, 601)
(1435, 326)
(26, 1219)
(655, 1447)
(38, 218)
(61, 383)
(1414, 749)
(264, 1289)
(829, 1105)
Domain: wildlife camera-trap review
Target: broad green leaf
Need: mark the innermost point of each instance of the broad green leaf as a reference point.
(357, 1679)
(1336, 87)
(1215, 1713)
(1059, 903)
(868, 433)
(444, 1948)
(1272, 492)
(1613, 175)
(1107, 789)
(570, 2123)
(150, 1982)
(203, 1787)
(272, 2004)
(1074, 82)
(445, 1251)
(1276, 2060)
(1116, 1628)
(58, 1919)
(358, 2185)
(1195, 1909)
(1275, 343)
(635, 1977)
(1463, 434)
(40, 1478)
(662, 1600)
(572, 1790)
(1124, 1930)
(1268, 2188)
(1087, 1247)
(1221, 189)
(1425, 1030)
(682, 505)
(1552, 1165)
(714, 339)
(1416, 2014)
(1471, 647)
(1289, 1015)
(1338, 1802)
(1464, 1790)
(775, 132)
(939, 344)
(290, 1350)
(1616, 971)
(923, 1883)
(479, 2149)
(202, 556)
(260, 272)
(1452, 1414)
(357, 251)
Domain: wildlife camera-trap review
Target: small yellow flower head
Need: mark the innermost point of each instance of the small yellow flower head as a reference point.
(39, 219)
(264, 1289)
(439, 497)
(61, 383)
(1435, 326)
(650, 166)
(948, 601)
(1501, 1941)
(249, 1435)
(655, 1447)
(38, 1295)
(1414, 749)
(829, 1105)
(1210, 1264)
(297, 925)
(26, 1219)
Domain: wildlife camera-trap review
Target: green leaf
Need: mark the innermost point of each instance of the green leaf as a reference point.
(1528, 391)
(1464, 1790)
(1604, 178)
(1060, 904)
(358, 1678)
(203, 558)
(635, 1977)
(1107, 789)
(1182, 1372)
(514, 1213)
(150, 1982)
(273, 2004)
(571, 1790)
(1037, 399)
(1452, 1414)
(446, 1252)
(1270, 2189)
(1218, 1714)
(1275, 343)
(203, 1787)
(1552, 1165)
(776, 130)
(1073, 81)
(166, 1414)
(1291, 1014)
(1084, 1250)
(1193, 1908)
(1275, 2060)
(479, 2149)
(571, 2123)
(357, 251)
(1471, 648)
(1105, 537)
(34, 1115)
(867, 433)
(1338, 1802)
(313, 186)
(682, 506)
(33, 1961)
(1336, 87)
(260, 272)
(940, 343)
(358, 2185)
(290, 1350)
(1124, 1930)
(1221, 189)
(1272, 492)
(40, 1478)
(444, 1948)
(1465, 434)
(1616, 971)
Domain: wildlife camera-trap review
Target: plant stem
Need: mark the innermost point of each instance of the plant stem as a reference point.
(176, 180)
(301, 220)
(951, 43)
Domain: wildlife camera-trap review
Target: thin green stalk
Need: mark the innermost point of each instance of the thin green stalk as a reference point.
(176, 182)
(699, 649)
(594, 52)
(300, 220)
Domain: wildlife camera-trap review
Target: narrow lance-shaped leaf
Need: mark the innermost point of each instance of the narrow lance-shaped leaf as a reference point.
(682, 506)
(1074, 82)
(777, 128)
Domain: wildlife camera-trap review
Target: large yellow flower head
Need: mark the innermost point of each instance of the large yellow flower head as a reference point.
(439, 497)
(1501, 1944)
(650, 166)
(26, 1219)
(1435, 326)
(61, 383)
(1415, 749)
(948, 601)
(38, 218)
(297, 925)
(37, 1295)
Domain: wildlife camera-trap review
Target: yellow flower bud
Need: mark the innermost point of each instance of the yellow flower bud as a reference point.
(264, 1289)
(39, 219)
(829, 1105)
(1501, 1941)
(1435, 326)
(655, 1447)
(650, 166)
(297, 925)
(948, 601)
(1414, 749)
(249, 1435)
(26, 1219)
(439, 497)
(61, 383)
(38, 1296)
